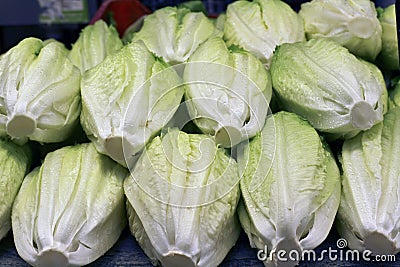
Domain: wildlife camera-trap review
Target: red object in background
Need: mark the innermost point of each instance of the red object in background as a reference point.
(122, 13)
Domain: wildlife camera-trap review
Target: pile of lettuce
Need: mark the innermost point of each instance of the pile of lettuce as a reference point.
(277, 122)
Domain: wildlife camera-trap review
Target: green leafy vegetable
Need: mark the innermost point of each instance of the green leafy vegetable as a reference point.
(71, 209)
(259, 26)
(179, 33)
(227, 92)
(395, 94)
(95, 42)
(182, 197)
(127, 99)
(389, 55)
(324, 83)
(290, 185)
(39, 92)
(351, 23)
(15, 162)
(368, 216)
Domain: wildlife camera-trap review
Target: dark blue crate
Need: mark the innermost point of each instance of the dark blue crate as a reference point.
(212, 6)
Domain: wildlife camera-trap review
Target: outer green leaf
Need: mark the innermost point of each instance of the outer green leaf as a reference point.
(95, 42)
(324, 83)
(395, 94)
(368, 215)
(178, 33)
(259, 26)
(39, 92)
(15, 161)
(389, 55)
(127, 99)
(290, 186)
(71, 210)
(227, 93)
(351, 23)
(182, 197)
(220, 21)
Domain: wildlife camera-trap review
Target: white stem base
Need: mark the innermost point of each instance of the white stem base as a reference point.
(379, 244)
(176, 259)
(52, 258)
(363, 116)
(20, 126)
(228, 136)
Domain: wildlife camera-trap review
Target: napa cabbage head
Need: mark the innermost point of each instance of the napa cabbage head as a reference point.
(39, 92)
(259, 26)
(227, 92)
(71, 209)
(181, 200)
(15, 161)
(290, 186)
(388, 58)
(368, 215)
(174, 33)
(351, 23)
(95, 42)
(127, 99)
(335, 91)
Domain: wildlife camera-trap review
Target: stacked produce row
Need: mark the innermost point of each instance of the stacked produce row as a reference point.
(190, 129)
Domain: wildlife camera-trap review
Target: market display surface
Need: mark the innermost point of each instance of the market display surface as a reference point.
(264, 136)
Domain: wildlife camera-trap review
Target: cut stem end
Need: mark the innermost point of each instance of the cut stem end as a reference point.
(20, 126)
(117, 147)
(363, 116)
(52, 258)
(379, 244)
(176, 259)
(228, 136)
(292, 255)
